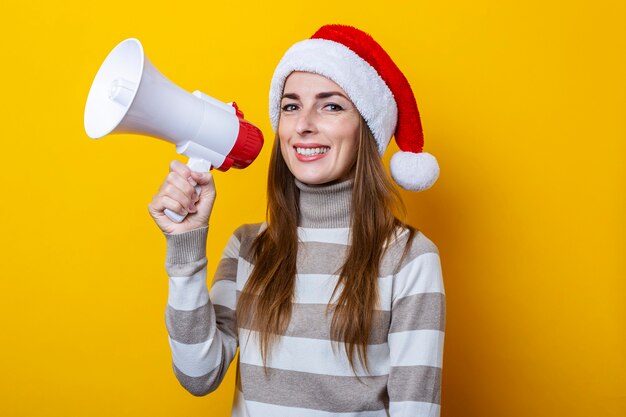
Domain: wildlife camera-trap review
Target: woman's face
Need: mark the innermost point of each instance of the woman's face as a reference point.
(318, 129)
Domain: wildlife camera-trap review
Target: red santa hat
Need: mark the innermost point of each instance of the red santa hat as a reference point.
(381, 93)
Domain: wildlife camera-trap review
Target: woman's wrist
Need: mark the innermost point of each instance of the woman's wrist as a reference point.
(187, 246)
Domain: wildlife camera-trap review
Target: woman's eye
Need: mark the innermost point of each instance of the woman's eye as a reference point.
(333, 107)
(289, 107)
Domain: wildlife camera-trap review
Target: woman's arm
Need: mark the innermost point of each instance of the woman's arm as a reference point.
(416, 334)
(201, 325)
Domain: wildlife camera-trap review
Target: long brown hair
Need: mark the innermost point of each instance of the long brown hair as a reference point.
(265, 303)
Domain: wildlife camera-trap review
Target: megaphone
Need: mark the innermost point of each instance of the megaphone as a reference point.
(129, 95)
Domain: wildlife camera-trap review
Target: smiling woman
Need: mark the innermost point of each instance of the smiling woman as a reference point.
(336, 305)
(318, 129)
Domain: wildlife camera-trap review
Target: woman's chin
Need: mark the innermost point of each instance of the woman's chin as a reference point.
(317, 179)
(311, 181)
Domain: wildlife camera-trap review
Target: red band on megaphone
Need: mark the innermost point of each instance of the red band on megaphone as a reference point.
(247, 146)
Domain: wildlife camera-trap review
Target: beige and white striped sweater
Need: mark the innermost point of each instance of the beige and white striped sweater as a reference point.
(306, 376)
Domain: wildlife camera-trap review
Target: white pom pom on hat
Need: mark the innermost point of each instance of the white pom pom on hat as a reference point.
(414, 171)
(376, 86)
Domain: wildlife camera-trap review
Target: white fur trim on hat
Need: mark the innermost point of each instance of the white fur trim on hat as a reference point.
(414, 171)
(366, 89)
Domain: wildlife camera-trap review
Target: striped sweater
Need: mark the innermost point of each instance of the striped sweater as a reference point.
(307, 375)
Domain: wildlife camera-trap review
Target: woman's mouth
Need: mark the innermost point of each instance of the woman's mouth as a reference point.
(311, 153)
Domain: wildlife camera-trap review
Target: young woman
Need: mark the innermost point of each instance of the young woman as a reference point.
(336, 306)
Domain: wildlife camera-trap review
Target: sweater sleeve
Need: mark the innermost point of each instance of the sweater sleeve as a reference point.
(200, 324)
(416, 336)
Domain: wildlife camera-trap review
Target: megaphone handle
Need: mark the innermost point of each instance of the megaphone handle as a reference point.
(198, 165)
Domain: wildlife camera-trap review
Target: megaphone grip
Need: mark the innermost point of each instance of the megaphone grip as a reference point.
(198, 165)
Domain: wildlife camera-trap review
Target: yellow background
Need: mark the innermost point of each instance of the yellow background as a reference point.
(523, 104)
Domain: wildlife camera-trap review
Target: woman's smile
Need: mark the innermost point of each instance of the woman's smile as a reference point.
(310, 152)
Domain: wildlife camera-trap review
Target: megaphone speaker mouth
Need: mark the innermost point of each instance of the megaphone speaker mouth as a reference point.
(114, 88)
(130, 95)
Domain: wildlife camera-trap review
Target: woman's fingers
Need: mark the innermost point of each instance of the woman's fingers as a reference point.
(178, 194)
(179, 189)
(175, 206)
(161, 201)
(202, 178)
(183, 170)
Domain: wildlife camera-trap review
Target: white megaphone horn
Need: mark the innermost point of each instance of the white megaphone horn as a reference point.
(129, 95)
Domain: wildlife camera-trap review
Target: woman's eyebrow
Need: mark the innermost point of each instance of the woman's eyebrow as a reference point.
(327, 94)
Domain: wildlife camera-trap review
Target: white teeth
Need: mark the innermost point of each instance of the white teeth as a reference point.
(311, 151)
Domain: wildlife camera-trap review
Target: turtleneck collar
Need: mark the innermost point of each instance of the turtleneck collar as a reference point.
(325, 206)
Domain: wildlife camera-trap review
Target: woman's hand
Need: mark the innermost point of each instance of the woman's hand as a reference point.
(178, 194)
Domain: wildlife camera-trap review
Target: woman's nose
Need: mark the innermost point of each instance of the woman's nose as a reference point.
(306, 122)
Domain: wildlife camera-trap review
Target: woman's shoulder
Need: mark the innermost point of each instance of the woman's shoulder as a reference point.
(249, 230)
(415, 238)
(244, 235)
(405, 246)
(240, 241)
